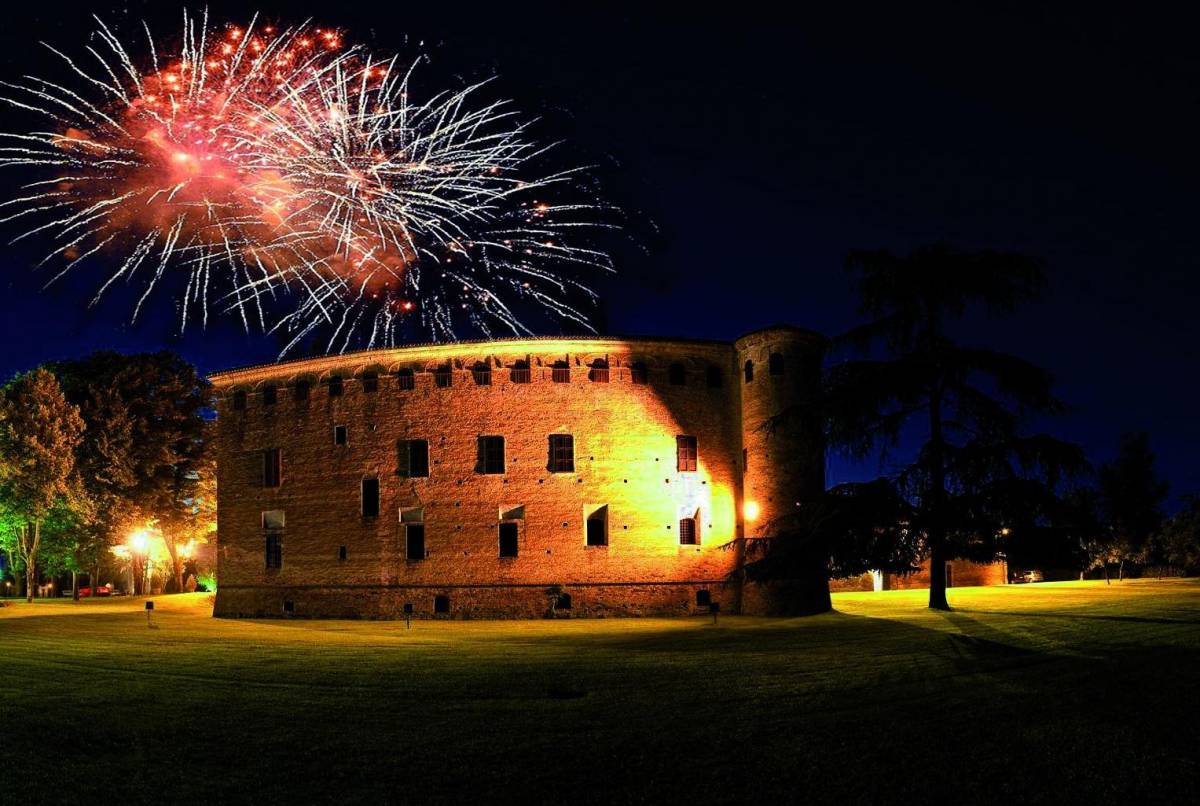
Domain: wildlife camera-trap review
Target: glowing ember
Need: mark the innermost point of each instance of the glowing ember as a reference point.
(296, 181)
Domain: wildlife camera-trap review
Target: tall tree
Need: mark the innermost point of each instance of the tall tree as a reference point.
(1131, 499)
(39, 434)
(144, 446)
(1178, 544)
(976, 472)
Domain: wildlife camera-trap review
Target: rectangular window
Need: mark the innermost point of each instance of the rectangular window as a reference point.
(508, 532)
(335, 386)
(300, 391)
(414, 541)
(270, 394)
(685, 453)
(520, 372)
(482, 373)
(272, 467)
(562, 453)
(239, 400)
(370, 498)
(490, 455)
(405, 380)
(441, 604)
(340, 435)
(677, 375)
(638, 373)
(598, 373)
(273, 520)
(689, 532)
(597, 527)
(414, 458)
(370, 382)
(442, 377)
(274, 550)
(561, 372)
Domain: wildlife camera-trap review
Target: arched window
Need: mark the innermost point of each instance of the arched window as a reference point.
(775, 364)
(598, 371)
(677, 375)
(406, 380)
(749, 370)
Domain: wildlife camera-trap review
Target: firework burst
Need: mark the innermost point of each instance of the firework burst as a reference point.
(295, 181)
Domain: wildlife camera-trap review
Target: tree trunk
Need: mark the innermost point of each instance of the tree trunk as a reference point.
(95, 578)
(31, 558)
(1107, 581)
(1121, 571)
(75, 586)
(937, 579)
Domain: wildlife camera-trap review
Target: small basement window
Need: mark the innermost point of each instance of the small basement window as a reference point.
(441, 604)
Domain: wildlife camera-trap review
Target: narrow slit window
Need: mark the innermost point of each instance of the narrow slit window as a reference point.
(274, 550)
(340, 435)
(370, 498)
(414, 541)
(272, 467)
(597, 527)
(748, 371)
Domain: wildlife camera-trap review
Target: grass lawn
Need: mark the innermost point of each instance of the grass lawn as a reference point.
(1035, 693)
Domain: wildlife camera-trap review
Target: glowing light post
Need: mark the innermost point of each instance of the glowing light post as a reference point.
(139, 541)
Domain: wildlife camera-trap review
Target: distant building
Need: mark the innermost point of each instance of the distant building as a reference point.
(509, 478)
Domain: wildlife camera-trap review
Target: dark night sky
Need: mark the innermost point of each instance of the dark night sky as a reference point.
(763, 148)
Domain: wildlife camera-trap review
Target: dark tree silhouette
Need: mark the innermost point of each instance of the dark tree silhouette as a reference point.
(1131, 496)
(975, 474)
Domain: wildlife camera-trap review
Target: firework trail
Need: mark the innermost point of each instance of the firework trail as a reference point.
(294, 181)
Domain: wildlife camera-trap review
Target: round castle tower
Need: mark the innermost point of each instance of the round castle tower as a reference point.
(779, 371)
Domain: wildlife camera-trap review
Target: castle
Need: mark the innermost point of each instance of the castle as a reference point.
(508, 478)
(511, 478)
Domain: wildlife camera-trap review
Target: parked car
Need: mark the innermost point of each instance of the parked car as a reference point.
(101, 590)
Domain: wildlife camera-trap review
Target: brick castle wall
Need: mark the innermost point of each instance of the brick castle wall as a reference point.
(625, 460)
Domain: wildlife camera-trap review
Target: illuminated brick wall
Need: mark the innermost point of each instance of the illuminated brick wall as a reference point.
(625, 453)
